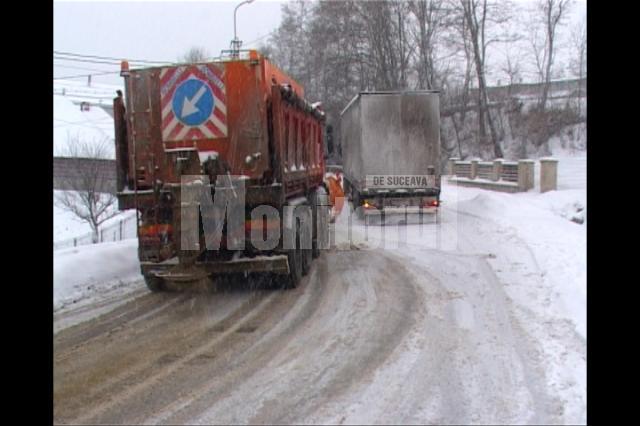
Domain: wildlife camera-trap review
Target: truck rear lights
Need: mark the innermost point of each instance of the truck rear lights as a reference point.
(431, 203)
(369, 204)
(155, 230)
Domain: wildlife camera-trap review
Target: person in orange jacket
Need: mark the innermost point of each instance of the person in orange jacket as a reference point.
(336, 194)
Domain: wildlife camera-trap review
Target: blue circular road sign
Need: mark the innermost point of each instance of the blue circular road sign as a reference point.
(193, 102)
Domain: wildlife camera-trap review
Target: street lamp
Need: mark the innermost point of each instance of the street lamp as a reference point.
(235, 43)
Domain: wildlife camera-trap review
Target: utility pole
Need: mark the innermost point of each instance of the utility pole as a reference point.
(235, 43)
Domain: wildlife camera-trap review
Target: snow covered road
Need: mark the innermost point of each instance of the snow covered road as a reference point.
(479, 319)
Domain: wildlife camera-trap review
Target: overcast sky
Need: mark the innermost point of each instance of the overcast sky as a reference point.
(153, 30)
(161, 30)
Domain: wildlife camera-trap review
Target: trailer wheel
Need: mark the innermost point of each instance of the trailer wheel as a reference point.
(154, 283)
(357, 203)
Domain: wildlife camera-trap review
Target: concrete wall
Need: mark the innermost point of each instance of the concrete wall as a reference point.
(70, 173)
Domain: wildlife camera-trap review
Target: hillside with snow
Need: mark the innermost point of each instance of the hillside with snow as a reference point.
(72, 125)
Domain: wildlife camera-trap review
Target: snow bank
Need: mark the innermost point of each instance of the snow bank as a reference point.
(558, 244)
(571, 141)
(86, 271)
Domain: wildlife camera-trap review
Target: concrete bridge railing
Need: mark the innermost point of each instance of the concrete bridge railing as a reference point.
(506, 176)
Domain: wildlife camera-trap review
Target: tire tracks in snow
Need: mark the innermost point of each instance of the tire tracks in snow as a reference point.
(532, 331)
(101, 372)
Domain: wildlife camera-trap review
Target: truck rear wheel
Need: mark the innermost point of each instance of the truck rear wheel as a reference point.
(154, 284)
(307, 258)
(295, 268)
(319, 206)
(295, 259)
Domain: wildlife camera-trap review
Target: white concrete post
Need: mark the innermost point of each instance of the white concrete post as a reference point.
(525, 174)
(452, 165)
(548, 174)
(474, 169)
(497, 169)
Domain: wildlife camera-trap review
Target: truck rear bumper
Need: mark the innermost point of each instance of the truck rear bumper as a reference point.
(171, 268)
(401, 211)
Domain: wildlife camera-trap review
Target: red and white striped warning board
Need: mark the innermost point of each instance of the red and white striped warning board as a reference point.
(193, 101)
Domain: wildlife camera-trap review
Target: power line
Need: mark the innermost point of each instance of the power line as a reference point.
(101, 62)
(79, 55)
(71, 94)
(258, 39)
(67, 77)
(90, 61)
(77, 68)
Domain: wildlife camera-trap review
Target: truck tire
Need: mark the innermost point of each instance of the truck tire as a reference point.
(319, 200)
(294, 257)
(295, 268)
(153, 283)
(307, 258)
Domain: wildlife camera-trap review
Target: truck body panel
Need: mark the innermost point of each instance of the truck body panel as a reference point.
(390, 133)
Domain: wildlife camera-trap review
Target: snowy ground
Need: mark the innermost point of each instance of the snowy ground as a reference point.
(480, 319)
(87, 272)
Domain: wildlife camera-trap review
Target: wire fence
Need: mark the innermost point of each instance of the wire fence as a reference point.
(123, 229)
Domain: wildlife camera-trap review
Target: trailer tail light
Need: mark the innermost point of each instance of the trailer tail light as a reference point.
(430, 203)
(369, 204)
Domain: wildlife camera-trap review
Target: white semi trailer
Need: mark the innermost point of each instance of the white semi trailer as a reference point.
(391, 152)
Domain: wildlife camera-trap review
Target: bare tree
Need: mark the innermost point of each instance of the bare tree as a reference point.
(554, 12)
(512, 65)
(87, 183)
(194, 55)
(579, 63)
(429, 19)
(479, 15)
(290, 40)
(389, 47)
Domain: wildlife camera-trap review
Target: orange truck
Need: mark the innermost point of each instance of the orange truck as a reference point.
(240, 117)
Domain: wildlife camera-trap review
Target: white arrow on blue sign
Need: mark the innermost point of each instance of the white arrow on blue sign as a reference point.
(193, 102)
